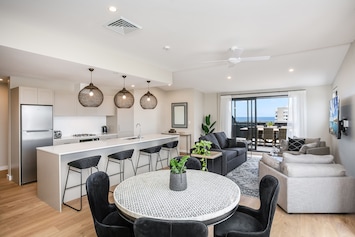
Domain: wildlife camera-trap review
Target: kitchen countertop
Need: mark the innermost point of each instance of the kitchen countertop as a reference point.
(101, 144)
(86, 137)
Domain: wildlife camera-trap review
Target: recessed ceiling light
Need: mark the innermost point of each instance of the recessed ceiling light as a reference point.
(229, 77)
(166, 47)
(112, 9)
(169, 84)
(291, 70)
(1, 79)
(132, 86)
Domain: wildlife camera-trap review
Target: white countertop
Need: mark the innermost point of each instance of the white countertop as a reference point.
(101, 144)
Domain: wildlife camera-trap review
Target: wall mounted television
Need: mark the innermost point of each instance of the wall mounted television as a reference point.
(334, 123)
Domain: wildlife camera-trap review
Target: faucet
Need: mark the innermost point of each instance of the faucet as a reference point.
(139, 134)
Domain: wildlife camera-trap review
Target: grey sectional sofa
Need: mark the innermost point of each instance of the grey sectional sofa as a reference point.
(318, 186)
(234, 152)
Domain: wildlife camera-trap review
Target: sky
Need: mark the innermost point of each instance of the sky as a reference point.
(266, 107)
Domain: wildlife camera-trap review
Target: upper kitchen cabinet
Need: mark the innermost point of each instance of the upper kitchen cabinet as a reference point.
(30, 95)
(66, 104)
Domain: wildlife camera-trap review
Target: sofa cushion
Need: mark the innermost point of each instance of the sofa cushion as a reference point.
(229, 154)
(210, 137)
(295, 144)
(222, 139)
(305, 147)
(271, 161)
(307, 158)
(239, 150)
(313, 170)
(312, 140)
(232, 142)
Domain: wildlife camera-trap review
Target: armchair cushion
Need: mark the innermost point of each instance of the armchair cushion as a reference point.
(313, 170)
(305, 147)
(307, 158)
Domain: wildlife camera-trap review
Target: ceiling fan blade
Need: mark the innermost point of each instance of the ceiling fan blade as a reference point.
(250, 59)
(216, 61)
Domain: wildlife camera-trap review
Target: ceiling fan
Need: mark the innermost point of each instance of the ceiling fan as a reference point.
(234, 57)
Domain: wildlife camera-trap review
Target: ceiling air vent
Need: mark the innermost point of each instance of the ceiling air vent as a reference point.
(122, 26)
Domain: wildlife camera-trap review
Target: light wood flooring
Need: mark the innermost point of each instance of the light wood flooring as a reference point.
(23, 214)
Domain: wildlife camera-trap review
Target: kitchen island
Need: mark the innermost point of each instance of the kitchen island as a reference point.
(52, 163)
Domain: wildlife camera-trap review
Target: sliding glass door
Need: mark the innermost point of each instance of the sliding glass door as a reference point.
(244, 120)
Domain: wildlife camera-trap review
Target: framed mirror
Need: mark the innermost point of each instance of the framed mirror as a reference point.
(179, 115)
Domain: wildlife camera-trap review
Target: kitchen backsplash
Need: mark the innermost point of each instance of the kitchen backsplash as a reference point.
(81, 124)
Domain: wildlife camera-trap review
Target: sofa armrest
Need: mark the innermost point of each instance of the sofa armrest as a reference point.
(318, 150)
(242, 144)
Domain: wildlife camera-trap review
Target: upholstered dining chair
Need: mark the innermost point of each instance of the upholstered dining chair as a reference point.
(148, 227)
(268, 135)
(247, 222)
(107, 220)
(192, 163)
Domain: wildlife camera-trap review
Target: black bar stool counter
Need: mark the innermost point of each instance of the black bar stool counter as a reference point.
(78, 166)
(149, 152)
(119, 158)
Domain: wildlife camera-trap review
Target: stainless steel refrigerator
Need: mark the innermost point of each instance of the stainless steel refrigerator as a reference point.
(36, 131)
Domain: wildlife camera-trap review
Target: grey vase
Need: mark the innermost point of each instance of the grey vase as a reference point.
(178, 182)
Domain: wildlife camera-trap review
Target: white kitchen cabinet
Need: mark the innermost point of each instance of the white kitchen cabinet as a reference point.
(30, 95)
(67, 104)
(107, 108)
(64, 104)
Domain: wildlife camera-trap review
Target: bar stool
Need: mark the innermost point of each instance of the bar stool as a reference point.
(148, 152)
(78, 166)
(170, 146)
(119, 158)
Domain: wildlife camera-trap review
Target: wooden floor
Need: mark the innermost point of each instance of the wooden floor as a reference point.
(23, 214)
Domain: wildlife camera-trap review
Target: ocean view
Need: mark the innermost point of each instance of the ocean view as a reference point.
(259, 119)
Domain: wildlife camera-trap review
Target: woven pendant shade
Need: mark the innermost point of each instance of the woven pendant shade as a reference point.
(90, 96)
(148, 100)
(124, 99)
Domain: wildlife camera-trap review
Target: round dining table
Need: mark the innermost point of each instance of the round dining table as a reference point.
(209, 197)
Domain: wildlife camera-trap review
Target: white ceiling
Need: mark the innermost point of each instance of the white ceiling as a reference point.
(62, 39)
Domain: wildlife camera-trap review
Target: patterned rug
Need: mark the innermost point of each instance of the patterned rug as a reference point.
(246, 176)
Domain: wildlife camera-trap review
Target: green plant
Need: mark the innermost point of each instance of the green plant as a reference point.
(207, 127)
(270, 123)
(178, 166)
(202, 148)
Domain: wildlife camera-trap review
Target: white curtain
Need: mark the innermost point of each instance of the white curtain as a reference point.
(225, 114)
(297, 114)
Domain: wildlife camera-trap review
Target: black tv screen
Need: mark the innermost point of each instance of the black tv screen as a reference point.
(334, 127)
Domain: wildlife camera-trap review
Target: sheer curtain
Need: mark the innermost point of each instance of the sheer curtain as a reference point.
(225, 114)
(297, 114)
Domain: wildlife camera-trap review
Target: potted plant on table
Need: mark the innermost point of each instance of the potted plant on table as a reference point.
(202, 148)
(178, 180)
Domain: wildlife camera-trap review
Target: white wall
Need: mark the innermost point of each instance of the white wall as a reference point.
(3, 126)
(344, 148)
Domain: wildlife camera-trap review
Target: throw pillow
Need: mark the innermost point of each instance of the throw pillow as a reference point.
(232, 142)
(295, 144)
(305, 147)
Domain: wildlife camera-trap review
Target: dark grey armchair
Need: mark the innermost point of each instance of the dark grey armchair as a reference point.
(148, 227)
(247, 222)
(107, 219)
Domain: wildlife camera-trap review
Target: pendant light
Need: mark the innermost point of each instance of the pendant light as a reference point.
(148, 100)
(124, 99)
(90, 96)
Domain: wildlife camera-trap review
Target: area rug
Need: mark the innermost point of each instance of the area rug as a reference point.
(246, 176)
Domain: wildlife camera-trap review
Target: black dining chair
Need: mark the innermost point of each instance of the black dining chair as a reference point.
(107, 220)
(191, 163)
(247, 222)
(148, 227)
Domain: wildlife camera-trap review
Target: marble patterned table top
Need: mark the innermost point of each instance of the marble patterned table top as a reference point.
(209, 197)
